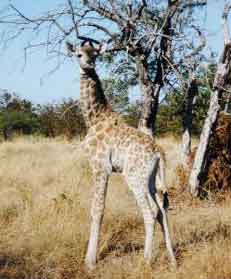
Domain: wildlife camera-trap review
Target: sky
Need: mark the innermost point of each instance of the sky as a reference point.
(64, 83)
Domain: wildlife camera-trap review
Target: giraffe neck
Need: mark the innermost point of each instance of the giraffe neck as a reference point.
(92, 99)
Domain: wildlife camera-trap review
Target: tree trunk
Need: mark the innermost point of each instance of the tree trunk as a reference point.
(149, 109)
(7, 133)
(151, 89)
(220, 83)
(187, 120)
(228, 102)
(150, 99)
(200, 158)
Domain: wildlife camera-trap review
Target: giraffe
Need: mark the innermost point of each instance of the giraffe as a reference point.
(112, 146)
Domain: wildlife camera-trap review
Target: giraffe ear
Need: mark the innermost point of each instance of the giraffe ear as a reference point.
(102, 48)
(87, 43)
(71, 49)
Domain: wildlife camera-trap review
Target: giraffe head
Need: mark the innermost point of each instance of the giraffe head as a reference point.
(86, 54)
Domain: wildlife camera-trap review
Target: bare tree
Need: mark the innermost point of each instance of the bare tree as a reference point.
(191, 63)
(148, 34)
(152, 33)
(221, 82)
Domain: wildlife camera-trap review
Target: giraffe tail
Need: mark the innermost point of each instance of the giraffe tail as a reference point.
(161, 179)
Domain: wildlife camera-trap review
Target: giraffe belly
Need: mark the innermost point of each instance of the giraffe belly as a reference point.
(117, 160)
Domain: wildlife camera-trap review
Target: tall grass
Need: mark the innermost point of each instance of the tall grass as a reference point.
(45, 194)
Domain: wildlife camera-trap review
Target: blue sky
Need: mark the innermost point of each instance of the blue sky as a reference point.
(65, 82)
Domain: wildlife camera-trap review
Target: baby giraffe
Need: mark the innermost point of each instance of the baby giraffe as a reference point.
(113, 146)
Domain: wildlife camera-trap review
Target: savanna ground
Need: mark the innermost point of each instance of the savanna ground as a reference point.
(45, 192)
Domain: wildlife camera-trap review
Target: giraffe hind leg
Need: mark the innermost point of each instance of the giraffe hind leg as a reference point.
(159, 209)
(149, 220)
(163, 221)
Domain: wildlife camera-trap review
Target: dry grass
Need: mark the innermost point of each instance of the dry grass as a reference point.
(45, 190)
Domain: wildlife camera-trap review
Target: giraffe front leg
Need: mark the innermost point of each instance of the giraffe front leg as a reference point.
(97, 210)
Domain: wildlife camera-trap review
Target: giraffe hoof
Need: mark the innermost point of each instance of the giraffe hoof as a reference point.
(90, 264)
(147, 260)
(173, 264)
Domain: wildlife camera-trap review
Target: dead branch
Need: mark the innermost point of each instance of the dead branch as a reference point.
(221, 81)
(201, 46)
(101, 28)
(225, 23)
(73, 18)
(105, 13)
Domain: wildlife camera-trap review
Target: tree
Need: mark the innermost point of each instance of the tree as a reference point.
(171, 109)
(64, 118)
(147, 33)
(221, 81)
(48, 120)
(16, 115)
(151, 33)
(191, 64)
(116, 91)
(70, 119)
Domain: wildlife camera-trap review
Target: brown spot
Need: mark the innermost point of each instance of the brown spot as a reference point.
(93, 142)
(126, 143)
(98, 127)
(93, 99)
(92, 85)
(100, 136)
(108, 130)
(106, 139)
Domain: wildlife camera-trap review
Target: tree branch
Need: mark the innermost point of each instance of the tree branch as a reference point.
(225, 23)
(105, 13)
(73, 18)
(101, 28)
(140, 10)
(21, 14)
(195, 3)
(202, 44)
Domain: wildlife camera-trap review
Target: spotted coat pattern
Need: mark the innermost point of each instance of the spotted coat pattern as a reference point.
(111, 145)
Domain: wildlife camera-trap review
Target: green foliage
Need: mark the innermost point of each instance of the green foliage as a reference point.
(19, 115)
(169, 119)
(64, 118)
(202, 100)
(16, 115)
(116, 91)
(169, 116)
(132, 115)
